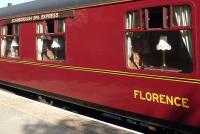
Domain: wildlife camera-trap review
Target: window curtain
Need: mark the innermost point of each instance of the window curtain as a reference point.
(39, 48)
(40, 27)
(129, 20)
(39, 40)
(182, 17)
(3, 47)
(3, 30)
(63, 26)
(129, 48)
(132, 20)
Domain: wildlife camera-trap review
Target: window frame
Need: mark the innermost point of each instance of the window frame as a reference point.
(55, 33)
(171, 27)
(13, 35)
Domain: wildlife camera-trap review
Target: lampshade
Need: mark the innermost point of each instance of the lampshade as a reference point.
(163, 44)
(14, 43)
(55, 44)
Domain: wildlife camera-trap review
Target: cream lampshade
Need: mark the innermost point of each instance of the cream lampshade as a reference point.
(55, 43)
(163, 46)
(14, 43)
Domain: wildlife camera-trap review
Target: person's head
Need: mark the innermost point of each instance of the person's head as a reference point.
(48, 40)
(136, 56)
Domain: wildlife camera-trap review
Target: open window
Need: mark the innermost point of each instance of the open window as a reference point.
(10, 40)
(156, 17)
(50, 40)
(50, 26)
(158, 46)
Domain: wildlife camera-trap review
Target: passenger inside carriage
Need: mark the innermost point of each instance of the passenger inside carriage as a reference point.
(11, 47)
(136, 61)
(52, 48)
(145, 55)
(166, 43)
(47, 51)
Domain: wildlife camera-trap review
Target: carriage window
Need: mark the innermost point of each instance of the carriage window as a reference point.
(51, 42)
(10, 40)
(162, 48)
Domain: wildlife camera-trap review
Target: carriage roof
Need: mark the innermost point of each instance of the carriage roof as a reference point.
(39, 6)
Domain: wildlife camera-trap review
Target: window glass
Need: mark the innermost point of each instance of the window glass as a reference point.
(181, 15)
(166, 17)
(3, 30)
(16, 29)
(51, 44)
(132, 19)
(10, 41)
(61, 26)
(40, 27)
(161, 49)
(51, 48)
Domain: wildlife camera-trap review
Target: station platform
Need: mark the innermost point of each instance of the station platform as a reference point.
(20, 115)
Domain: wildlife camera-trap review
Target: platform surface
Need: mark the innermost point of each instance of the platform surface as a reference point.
(20, 115)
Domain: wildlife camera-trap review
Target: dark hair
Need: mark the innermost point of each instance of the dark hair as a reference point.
(137, 45)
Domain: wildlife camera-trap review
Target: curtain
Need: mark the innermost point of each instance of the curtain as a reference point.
(39, 48)
(129, 48)
(3, 30)
(132, 20)
(3, 47)
(182, 17)
(39, 41)
(63, 26)
(39, 27)
(129, 20)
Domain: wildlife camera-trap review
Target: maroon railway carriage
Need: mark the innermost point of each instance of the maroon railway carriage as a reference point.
(134, 58)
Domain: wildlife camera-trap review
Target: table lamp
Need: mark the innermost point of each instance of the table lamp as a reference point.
(55, 43)
(163, 46)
